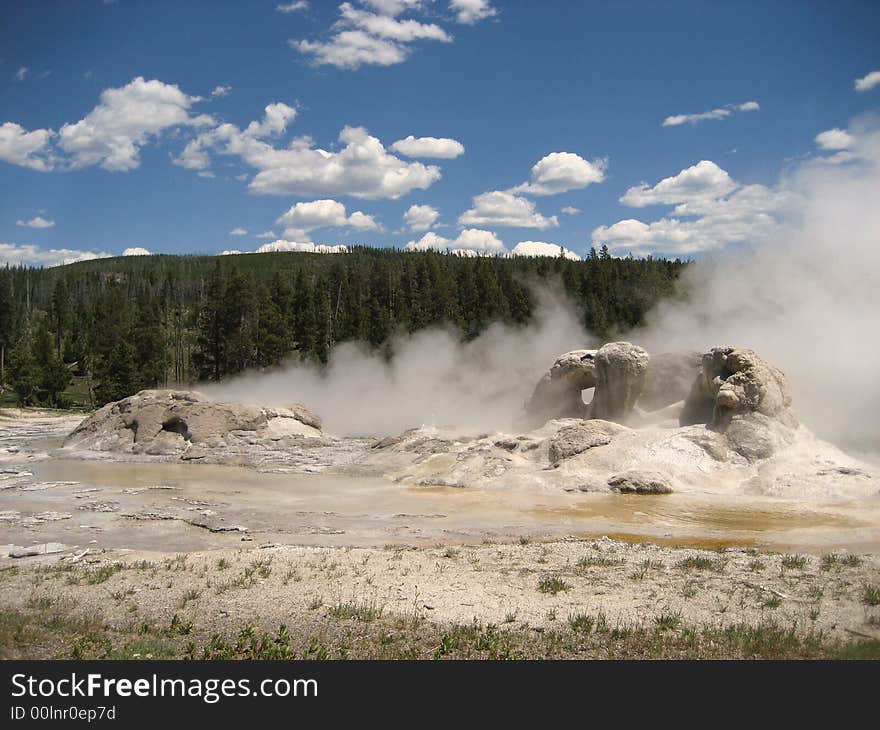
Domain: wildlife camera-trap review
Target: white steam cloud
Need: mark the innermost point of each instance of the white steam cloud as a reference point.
(433, 378)
(807, 300)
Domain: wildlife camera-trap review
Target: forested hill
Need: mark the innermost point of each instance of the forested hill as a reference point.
(122, 324)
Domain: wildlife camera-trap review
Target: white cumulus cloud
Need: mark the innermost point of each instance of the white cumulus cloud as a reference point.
(834, 139)
(112, 134)
(710, 211)
(239, 232)
(719, 113)
(36, 222)
(294, 7)
(25, 149)
(469, 12)
(470, 239)
(136, 251)
(31, 255)
(439, 147)
(363, 168)
(541, 248)
(421, 217)
(303, 218)
(376, 37)
(559, 172)
(868, 81)
(501, 208)
(299, 247)
(705, 180)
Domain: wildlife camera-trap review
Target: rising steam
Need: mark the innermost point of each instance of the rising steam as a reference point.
(808, 301)
(433, 378)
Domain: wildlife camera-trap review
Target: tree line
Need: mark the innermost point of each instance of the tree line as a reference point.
(123, 324)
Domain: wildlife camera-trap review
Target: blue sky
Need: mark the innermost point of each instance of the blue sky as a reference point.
(126, 124)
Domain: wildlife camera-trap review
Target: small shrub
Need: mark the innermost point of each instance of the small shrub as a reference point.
(552, 584)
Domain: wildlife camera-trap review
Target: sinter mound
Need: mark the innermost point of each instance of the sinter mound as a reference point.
(186, 424)
(718, 423)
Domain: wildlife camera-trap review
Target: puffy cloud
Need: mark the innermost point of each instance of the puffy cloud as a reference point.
(711, 211)
(501, 208)
(250, 144)
(421, 217)
(562, 171)
(352, 49)
(136, 251)
(267, 235)
(299, 247)
(363, 168)
(868, 82)
(22, 73)
(37, 222)
(540, 248)
(240, 232)
(26, 149)
(388, 26)
(570, 210)
(479, 240)
(440, 147)
(719, 113)
(302, 218)
(220, 91)
(834, 139)
(276, 118)
(230, 252)
(31, 255)
(376, 38)
(112, 134)
(469, 240)
(294, 7)
(393, 7)
(705, 180)
(469, 12)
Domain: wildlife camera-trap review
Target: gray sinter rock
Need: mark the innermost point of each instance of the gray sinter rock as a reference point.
(745, 398)
(177, 422)
(579, 437)
(621, 368)
(558, 393)
(640, 482)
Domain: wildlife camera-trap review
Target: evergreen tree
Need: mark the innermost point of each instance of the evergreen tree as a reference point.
(210, 355)
(22, 372)
(117, 374)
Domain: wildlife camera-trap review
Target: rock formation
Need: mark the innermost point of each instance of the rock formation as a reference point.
(745, 398)
(640, 482)
(188, 425)
(558, 392)
(620, 376)
(575, 439)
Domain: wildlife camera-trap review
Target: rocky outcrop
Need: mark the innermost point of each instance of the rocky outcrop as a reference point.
(621, 368)
(187, 424)
(640, 482)
(745, 398)
(558, 392)
(579, 437)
